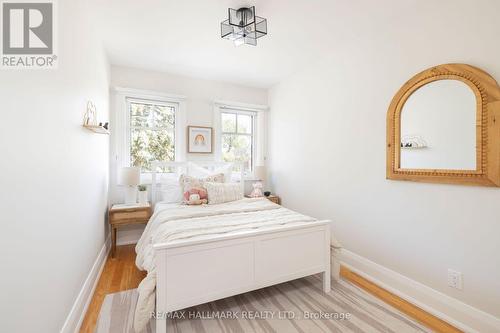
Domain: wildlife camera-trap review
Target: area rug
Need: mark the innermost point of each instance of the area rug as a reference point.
(295, 306)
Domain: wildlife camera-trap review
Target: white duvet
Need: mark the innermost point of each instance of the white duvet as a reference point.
(180, 223)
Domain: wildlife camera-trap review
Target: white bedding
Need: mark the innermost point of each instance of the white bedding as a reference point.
(166, 205)
(177, 223)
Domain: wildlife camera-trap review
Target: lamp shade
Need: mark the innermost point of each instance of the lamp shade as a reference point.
(130, 176)
(260, 173)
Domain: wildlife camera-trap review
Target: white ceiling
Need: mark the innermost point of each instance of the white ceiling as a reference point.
(183, 36)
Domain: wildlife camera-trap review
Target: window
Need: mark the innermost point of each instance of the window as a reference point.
(237, 138)
(152, 132)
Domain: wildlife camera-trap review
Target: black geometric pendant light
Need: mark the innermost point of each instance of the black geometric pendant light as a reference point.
(243, 26)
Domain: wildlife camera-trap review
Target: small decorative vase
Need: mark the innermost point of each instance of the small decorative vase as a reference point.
(143, 197)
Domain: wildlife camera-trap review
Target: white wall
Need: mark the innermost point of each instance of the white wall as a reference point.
(200, 93)
(54, 179)
(327, 139)
(199, 107)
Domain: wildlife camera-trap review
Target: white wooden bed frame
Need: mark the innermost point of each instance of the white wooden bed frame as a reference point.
(199, 271)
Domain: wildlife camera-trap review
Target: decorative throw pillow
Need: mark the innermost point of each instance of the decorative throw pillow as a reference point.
(223, 192)
(197, 171)
(187, 182)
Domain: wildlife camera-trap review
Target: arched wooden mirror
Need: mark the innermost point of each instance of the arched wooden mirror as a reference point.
(443, 126)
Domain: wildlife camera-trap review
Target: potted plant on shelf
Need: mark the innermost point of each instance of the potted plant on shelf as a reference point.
(143, 194)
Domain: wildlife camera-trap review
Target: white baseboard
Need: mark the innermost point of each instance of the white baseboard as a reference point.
(77, 313)
(451, 310)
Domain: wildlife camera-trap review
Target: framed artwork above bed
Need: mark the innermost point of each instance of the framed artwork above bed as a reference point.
(200, 139)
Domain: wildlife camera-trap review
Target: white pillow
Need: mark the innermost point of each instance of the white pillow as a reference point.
(223, 192)
(194, 170)
(171, 193)
(169, 188)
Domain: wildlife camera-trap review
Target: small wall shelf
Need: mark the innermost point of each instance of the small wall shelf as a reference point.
(410, 148)
(97, 129)
(413, 142)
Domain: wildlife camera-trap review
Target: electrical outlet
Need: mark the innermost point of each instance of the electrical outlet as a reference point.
(455, 279)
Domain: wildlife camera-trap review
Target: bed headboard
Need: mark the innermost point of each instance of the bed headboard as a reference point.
(174, 169)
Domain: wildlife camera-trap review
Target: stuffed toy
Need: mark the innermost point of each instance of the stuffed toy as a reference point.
(195, 196)
(257, 190)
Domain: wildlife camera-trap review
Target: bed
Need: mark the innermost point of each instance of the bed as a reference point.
(199, 254)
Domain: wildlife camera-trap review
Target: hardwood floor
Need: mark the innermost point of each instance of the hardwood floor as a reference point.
(411, 310)
(119, 273)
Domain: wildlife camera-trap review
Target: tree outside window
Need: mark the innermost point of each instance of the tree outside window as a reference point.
(152, 133)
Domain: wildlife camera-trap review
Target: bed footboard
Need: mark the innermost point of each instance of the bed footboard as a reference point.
(196, 272)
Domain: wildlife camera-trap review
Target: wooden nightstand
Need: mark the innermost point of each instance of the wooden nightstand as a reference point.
(120, 215)
(275, 199)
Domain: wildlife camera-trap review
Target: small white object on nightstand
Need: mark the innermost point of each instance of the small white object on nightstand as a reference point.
(260, 174)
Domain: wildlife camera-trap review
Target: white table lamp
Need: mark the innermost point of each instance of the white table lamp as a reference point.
(261, 173)
(130, 177)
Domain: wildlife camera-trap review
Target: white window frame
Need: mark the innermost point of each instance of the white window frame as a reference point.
(130, 100)
(253, 134)
(120, 130)
(259, 129)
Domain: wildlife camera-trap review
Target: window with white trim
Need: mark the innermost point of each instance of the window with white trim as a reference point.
(151, 132)
(238, 137)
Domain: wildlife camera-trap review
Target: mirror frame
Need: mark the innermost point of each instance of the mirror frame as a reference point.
(487, 94)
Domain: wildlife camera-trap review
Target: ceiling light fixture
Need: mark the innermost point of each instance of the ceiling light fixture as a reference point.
(243, 26)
